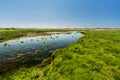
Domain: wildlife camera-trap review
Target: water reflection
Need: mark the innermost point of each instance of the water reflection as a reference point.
(31, 48)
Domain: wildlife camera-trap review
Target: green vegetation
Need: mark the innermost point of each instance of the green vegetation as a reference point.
(10, 33)
(96, 56)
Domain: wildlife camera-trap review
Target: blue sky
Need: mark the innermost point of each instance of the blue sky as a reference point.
(59, 13)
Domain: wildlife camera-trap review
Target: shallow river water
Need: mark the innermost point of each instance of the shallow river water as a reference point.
(28, 49)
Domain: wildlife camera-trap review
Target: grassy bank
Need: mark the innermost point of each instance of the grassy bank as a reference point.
(94, 57)
(6, 34)
(10, 33)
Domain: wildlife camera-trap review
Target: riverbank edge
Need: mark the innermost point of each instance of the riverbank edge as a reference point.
(42, 62)
(48, 59)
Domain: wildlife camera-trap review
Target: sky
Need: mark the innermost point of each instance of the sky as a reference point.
(59, 13)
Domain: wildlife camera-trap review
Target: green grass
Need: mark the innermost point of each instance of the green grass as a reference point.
(10, 33)
(6, 34)
(96, 56)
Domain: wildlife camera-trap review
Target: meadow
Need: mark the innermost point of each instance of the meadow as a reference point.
(11, 33)
(96, 56)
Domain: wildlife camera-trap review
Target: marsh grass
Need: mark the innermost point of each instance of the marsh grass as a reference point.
(10, 33)
(5, 44)
(94, 57)
(38, 51)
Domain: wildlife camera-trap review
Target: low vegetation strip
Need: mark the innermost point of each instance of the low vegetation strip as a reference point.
(94, 57)
(11, 33)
